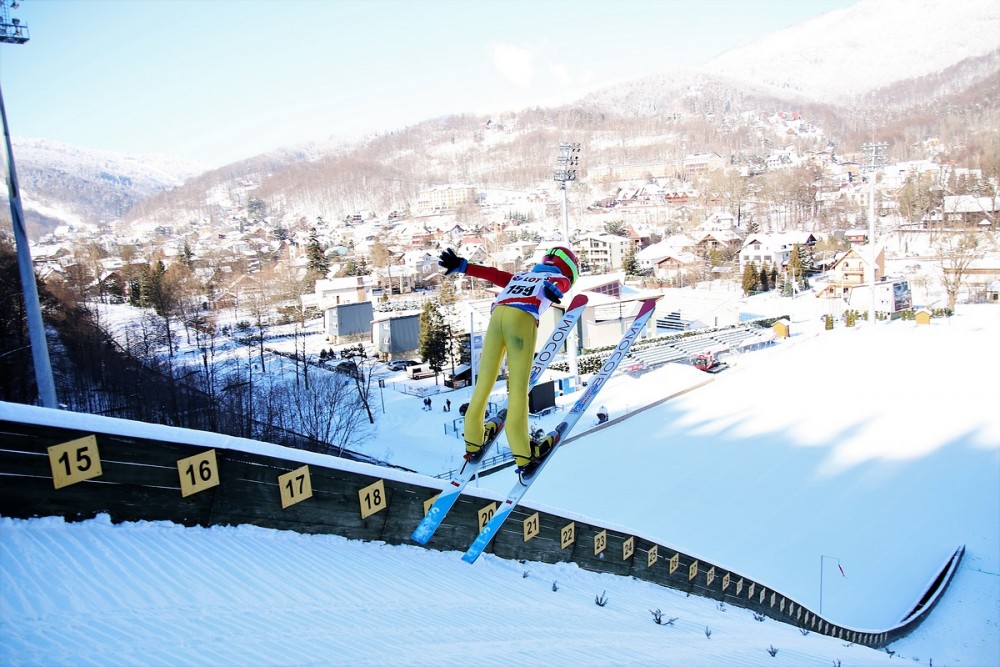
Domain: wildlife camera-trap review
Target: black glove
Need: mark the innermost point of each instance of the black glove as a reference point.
(552, 291)
(452, 262)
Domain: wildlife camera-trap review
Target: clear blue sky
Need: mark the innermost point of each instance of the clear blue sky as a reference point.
(219, 80)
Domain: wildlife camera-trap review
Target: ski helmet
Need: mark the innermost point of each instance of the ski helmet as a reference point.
(565, 260)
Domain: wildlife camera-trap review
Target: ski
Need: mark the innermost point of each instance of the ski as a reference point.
(561, 431)
(439, 510)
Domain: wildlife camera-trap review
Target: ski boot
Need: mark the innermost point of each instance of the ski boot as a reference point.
(491, 429)
(540, 449)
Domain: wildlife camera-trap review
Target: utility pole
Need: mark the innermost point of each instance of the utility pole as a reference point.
(874, 160)
(569, 158)
(13, 32)
(821, 559)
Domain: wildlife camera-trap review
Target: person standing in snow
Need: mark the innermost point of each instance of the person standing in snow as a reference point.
(512, 329)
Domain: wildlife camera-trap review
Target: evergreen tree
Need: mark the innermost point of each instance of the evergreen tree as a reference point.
(135, 291)
(256, 209)
(433, 339)
(354, 267)
(149, 286)
(319, 264)
(750, 278)
(786, 286)
(764, 286)
(806, 261)
(795, 263)
(616, 227)
(448, 296)
(630, 263)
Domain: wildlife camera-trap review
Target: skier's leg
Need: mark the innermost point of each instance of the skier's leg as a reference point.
(489, 368)
(520, 330)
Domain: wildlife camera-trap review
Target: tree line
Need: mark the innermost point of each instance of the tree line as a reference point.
(136, 375)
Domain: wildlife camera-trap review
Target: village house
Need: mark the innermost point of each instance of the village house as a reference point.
(772, 249)
(333, 291)
(665, 257)
(964, 211)
(605, 252)
(722, 241)
(444, 198)
(851, 269)
(702, 163)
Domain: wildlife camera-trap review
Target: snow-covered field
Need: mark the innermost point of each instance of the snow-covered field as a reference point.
(875, 450)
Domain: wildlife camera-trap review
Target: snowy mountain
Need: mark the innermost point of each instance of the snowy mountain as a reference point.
(919, 56)
(63, 184)
(869, 45)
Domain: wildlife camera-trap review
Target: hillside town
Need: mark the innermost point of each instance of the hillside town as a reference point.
(705, 228)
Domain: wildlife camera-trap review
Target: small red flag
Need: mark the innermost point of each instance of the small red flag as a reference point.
(841, 570)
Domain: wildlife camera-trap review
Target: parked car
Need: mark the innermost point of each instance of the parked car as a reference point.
(348, 367)
(400, 364)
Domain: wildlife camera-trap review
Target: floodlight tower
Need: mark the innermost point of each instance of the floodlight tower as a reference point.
(874, 160)
(12, 31)
(569, 158)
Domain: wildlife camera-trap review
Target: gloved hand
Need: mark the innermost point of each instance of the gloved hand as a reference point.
(552, 292)
(452, 262)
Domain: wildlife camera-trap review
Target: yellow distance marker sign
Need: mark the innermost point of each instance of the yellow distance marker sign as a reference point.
(295, 486)
(532, 526)
(628, 548)
(600, 542)
(372, 499)
(486, 514)
(567, 535)
(198, 472)
(74, 461)
(429, 503)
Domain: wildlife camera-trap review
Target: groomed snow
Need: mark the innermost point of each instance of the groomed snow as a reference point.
(875, 449)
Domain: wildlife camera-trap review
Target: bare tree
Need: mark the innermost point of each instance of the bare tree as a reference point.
(957, 250)
(331, 411)
(257, 301)
(383, 258)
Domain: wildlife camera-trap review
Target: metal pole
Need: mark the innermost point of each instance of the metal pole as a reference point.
(565, 213)
(874, 159)
(571, 342)
(565, 171)
(871, 245)
(473, 358)
(33, 311)
(821, 580)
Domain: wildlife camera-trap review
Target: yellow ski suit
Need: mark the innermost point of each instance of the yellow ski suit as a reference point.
(513, 329)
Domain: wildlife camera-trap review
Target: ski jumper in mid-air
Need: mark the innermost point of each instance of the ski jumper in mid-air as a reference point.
(512, 329)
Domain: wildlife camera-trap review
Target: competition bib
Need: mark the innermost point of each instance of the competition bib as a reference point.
(521, 286)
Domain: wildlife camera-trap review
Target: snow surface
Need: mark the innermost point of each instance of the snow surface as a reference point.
(875, 449)
(865, 46)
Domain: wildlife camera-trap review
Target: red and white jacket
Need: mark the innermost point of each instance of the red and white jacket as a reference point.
(521, 290)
